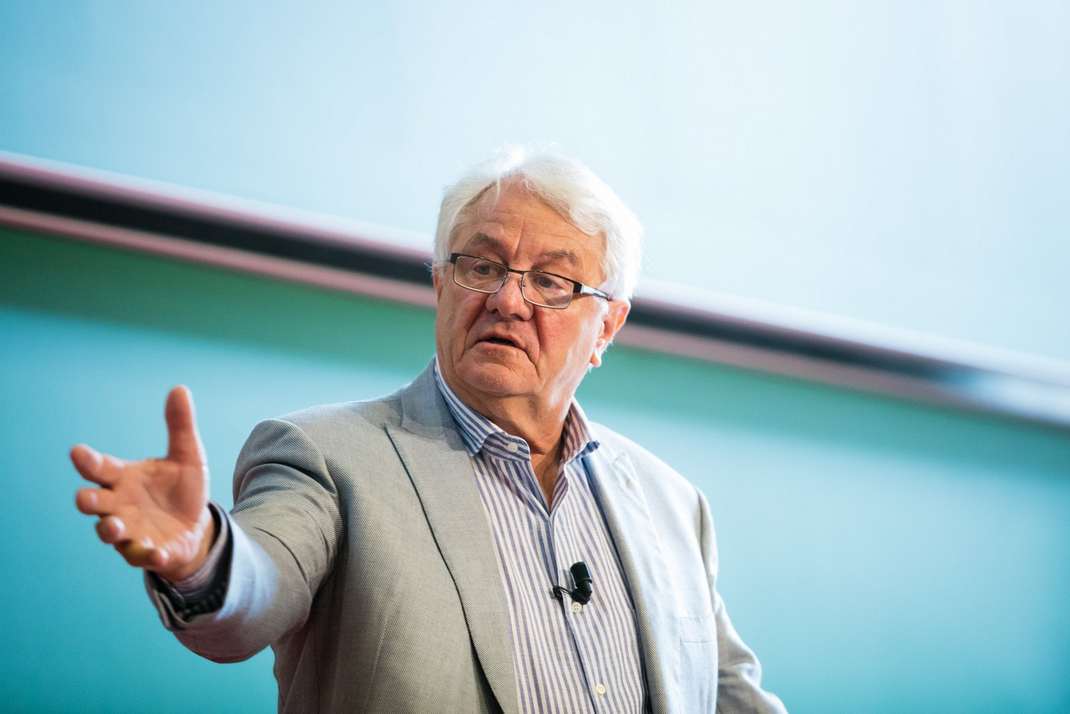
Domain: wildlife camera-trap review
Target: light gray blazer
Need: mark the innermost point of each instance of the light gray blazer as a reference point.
(363, 557)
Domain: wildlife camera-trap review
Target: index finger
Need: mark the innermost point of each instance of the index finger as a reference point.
(92, 465)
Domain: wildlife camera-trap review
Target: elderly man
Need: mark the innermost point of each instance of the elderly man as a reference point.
(471, 543)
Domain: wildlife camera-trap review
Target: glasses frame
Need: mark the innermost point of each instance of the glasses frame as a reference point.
(578, 288)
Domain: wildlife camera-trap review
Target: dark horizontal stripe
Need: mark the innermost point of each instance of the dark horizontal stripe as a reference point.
(795, 343)
(208, 230)
(118, 212)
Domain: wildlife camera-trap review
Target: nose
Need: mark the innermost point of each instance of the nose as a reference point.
(509, 300)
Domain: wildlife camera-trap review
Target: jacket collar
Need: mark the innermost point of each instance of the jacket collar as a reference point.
(635, 536)
(439, 465)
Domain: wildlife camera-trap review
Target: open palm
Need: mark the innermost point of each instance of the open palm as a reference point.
(154, 511)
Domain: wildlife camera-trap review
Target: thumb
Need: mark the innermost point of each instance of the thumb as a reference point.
(183, 442)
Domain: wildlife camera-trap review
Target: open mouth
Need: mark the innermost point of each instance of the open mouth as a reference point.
(500, 341)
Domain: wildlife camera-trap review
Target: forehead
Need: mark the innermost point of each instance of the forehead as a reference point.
(517, 222)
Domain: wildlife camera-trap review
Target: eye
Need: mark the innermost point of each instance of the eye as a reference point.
(481, 268)
(547, 282)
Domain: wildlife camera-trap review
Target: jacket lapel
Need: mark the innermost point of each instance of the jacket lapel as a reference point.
(441, 471)
(632, 529)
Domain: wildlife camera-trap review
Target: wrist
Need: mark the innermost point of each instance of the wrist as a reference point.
(205, 534)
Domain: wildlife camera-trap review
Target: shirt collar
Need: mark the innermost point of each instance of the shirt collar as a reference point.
(476, 428)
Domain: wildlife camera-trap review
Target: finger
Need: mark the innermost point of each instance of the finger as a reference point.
(142, 553)
(93, 465)
(111, 529)
(184, 442)
(95, 501)
(158, 558)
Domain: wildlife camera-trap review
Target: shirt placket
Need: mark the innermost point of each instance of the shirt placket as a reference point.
(512, 454)
(566, 551)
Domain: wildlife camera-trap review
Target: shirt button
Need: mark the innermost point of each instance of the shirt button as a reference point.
(600, 690)
(512, 448)
(576, 607)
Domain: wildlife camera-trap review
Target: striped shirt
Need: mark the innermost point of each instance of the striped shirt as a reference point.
(568, 658)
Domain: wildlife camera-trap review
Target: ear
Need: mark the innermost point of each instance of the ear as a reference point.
(436, 279)
(612, 321)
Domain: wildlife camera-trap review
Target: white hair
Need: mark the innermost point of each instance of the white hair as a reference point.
(571, 189)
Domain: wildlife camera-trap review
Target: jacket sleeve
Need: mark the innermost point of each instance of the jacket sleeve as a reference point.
(284, 533)
(739, 674)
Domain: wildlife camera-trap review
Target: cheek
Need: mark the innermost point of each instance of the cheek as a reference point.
(447, 323)
(456, 316)
(566, 341)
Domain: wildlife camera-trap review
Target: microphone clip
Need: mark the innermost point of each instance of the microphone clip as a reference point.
(581, 575)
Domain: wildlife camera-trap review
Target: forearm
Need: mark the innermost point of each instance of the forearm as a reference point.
(280, 543)
(246, 604)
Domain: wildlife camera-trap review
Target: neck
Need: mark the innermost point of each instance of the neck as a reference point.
(537, 423)
(540, 424)
(545, 434)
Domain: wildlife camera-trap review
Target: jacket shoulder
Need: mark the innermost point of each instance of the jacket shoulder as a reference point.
(652, 471)
(375, 413)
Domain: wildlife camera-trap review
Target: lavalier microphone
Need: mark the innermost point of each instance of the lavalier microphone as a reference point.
(581, 575)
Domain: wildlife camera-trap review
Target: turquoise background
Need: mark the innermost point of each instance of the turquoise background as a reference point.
(880, 556)
(905, 163)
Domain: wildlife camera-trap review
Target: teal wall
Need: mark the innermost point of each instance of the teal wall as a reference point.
(880, 556)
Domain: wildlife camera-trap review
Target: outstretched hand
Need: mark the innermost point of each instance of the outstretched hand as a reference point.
(155, 511)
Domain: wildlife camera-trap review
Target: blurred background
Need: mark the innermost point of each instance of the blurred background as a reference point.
(901, 164)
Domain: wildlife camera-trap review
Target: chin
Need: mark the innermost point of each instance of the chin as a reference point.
(492, 378)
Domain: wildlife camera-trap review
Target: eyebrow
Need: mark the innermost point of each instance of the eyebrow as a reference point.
(482, 240)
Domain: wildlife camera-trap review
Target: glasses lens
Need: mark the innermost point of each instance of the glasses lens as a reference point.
(478, 274)
(487, 276)
(546, 289)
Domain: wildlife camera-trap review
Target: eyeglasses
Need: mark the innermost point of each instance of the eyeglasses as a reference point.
(537, 287)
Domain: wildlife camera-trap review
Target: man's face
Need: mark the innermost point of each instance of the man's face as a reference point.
(495, 347)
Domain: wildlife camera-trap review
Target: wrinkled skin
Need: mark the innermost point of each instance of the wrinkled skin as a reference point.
(517, 364)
